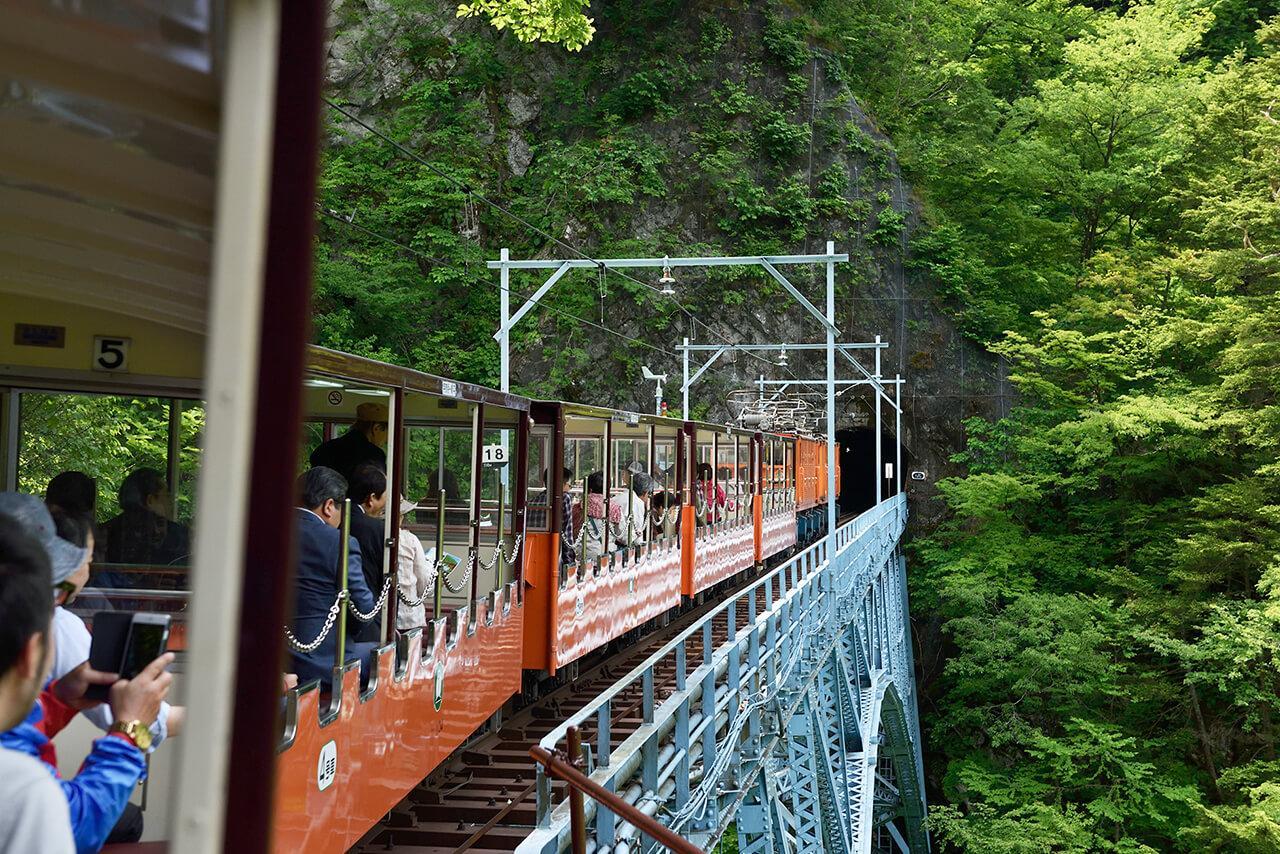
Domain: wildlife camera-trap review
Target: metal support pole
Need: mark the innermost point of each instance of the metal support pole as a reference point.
(504, 275)
(897, 433)
(684, 412)
(879, 434)
(831, 398)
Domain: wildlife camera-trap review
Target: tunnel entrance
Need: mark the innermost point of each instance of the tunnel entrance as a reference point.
(858, 468)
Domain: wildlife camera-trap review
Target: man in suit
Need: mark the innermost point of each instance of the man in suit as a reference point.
(322, 492)
(365, 442)
(367, 489)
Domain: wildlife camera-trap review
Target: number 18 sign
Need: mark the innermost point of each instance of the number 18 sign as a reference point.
(495, 456)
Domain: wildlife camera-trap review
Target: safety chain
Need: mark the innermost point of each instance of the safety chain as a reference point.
(378, 603)
(471, 562)
(306, 648)
(432, 567)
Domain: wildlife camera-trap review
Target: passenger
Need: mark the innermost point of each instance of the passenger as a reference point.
(319, 577)
(709, 495)
(97, 795)
(71, 652)
(414, 575)
(74, 493)
(367, 490)
(593, 539)
(629, 512)
(365, 442)
(568, 532)
(450, 485)
(143, 533)
(664, 507)
(35, 818)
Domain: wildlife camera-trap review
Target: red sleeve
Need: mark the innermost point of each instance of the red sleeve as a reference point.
(56, 714)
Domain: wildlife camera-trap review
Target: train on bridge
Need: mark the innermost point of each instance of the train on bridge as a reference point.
(154, 297)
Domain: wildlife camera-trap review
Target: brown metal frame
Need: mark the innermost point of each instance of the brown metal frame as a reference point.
(269, 548)
(580, 784)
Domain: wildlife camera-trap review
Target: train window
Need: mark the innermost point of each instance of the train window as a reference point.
(495, 480)
(539, 478)
(582, 456)
(745, 479)
(727, 466)
(664, 463)
(629, 455)
(142, 454)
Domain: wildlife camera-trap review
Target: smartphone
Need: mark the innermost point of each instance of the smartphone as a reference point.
(125, 643)
(148, 639)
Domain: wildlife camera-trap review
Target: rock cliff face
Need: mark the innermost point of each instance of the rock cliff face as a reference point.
(684, 128)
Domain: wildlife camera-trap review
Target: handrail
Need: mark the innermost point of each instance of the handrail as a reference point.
(583, 784)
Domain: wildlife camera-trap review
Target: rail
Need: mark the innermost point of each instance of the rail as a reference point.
(680, 758)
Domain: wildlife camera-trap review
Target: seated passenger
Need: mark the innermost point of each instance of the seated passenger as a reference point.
(319, 577)
(35, 818)
(143, 534)
(593, 538)
(664, 509)
(71, 652)
(367, 490)
(568, 533)
(414, 575)
(708, 495)
(629, 513)
(75, 494)
(97, 796)
(364, 442)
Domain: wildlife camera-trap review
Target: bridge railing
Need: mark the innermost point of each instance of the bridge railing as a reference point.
(680, 763)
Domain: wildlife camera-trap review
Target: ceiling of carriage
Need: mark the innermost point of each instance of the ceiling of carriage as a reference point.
(108, 135)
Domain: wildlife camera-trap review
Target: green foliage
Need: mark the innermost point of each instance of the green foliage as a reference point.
(780, 139)
(1108, 572)
(558, 21)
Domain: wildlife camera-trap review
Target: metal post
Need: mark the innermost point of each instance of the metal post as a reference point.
(897, 434)
(339, 652)
(879, 433)
(440, 567)
(504, 346)
(684, 391)
(577, 812)
(831, 396)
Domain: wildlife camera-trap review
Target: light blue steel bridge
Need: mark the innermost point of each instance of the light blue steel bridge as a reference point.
(798, 733)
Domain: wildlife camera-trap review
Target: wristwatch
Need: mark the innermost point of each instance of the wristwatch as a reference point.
(135, 731)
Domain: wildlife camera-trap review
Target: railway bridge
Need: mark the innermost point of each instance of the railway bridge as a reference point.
(797, 732)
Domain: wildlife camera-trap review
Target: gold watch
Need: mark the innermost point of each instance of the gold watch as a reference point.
(137, 731)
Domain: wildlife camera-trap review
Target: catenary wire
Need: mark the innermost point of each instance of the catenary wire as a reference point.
(464, 187)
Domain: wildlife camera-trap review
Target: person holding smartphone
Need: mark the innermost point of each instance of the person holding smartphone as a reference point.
(97, 796)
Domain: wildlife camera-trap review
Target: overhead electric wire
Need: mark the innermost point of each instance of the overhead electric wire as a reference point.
(407, 248)
(464, 187)
(336, 217)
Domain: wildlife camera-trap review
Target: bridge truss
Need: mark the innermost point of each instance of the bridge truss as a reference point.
(797, 733)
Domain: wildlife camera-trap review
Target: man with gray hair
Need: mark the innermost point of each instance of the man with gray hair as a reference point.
(629, 512)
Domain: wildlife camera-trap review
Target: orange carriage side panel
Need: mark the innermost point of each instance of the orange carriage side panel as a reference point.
(722, 554)
(383, 746)
(597, 607)
(541, 565)
(778, 531)
(688, 548)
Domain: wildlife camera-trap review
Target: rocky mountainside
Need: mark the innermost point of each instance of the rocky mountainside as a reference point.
(682, 129)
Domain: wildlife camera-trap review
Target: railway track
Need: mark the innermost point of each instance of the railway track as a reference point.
(482, 799)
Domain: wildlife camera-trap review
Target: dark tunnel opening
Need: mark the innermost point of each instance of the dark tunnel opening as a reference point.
(858, 468)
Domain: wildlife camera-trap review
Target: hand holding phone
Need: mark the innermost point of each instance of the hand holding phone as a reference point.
(126, 644)
(138, 699)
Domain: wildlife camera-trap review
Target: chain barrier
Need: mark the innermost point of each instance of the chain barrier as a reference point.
(307, 648)
(444, 574)
(378, 603)
(432, 567)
